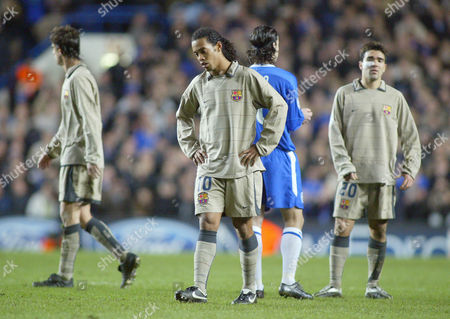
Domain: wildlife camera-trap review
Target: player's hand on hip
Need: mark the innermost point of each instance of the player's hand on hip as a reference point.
(307, 113)
(199, 157)
(249, 156)
(350, 176)
(93, 170)
(408, 181)
(44, 161)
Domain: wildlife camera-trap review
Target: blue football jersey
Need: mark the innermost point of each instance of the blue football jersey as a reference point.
(286, 84)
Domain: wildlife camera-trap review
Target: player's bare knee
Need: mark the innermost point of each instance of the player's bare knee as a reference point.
(257, 221)
(208, 225)
(293, 217)
(378, 234)
(243, 227)
(69, 213)
(85, 215)
(65, 217)
(209, 222)
(343, 227)
(378, 229)
(84, 222)
(238, 222)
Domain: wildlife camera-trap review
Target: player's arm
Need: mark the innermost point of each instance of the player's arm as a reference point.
(265, 96)
(410, 143)
(83, 96)
(308, 114)
(186, 127)
(52, 150)
(341, 159)
(296, 115)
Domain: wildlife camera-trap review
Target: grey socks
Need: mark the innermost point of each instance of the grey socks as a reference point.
(248, 253)
(375, 256)
(205, 251)
(103, 235)
(69, 247)
(338, 254)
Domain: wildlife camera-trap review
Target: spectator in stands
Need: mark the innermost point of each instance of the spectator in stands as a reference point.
(138, 105)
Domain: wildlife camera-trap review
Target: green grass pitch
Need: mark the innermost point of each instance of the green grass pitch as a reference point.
(420, 288)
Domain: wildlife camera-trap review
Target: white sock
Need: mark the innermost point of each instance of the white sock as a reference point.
(291, 245)
(258, 274)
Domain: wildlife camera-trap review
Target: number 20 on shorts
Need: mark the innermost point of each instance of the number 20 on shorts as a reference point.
(350, 188)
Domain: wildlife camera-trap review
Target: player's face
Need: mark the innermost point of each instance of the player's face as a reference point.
(57, 53)
(373, 65)
(276, 46)
(206, 53)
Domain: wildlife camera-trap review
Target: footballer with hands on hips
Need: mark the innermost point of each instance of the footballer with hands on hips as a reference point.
(227, 96)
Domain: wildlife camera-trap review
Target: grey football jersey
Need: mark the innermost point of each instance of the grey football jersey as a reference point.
(365, 128)
(79, 136)
(227, 106)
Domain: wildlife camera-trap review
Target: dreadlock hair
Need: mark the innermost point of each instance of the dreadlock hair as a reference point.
(212, 36)
(372, 45)
(67, 39)
(262, 39)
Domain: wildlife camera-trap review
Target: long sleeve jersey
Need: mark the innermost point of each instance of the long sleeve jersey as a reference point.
(365, 128)
(227, 106)
(79, 136)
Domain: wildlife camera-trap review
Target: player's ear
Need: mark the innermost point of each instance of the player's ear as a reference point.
(218, 46)
(360, 65)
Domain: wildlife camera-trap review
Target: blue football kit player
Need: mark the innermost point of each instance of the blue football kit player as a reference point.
(282, 178)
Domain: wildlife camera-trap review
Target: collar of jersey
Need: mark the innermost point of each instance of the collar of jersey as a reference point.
(357, 86)
(72, 69)
(262, 65)
(230, 72)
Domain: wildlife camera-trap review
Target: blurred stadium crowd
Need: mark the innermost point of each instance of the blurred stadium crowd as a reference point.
(147, 174)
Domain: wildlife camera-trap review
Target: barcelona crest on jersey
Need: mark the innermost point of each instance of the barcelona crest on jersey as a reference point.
(386, 109)
(345, 203)
(236, 95)
(202, 198)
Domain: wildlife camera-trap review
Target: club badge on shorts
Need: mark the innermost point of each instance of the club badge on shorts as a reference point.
(345, 203)
(66, 94)
(236, 95)
(202, 198)
(386, 109)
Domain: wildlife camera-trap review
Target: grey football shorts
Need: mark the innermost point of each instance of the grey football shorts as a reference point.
(237, 197)
(76, 186)
(353, 200)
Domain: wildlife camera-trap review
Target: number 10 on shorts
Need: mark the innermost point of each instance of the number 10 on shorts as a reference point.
(205, 184)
